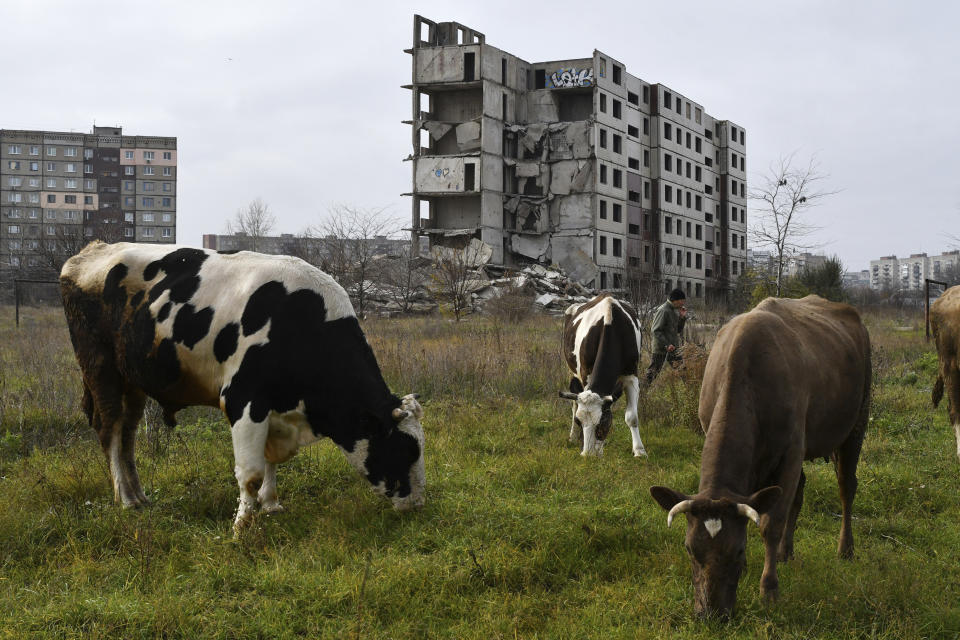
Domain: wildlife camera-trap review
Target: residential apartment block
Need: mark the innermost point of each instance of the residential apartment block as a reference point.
(310, 248)
(59, 190)
(892, 273)
(574, 162)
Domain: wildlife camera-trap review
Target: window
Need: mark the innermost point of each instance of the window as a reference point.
(688, 170)
(667, 99)
(688, 206)
(603, 245)
(645, 92)
(617, 144)
(148, 232)
(51, 183)
(14, 182)
(51, 166)
(617, 213)
(167, 217)
(603, 279)
(689, 260)
(743, 137)
(148, 186)
(688, 111)
(617, 108)
(646, 126)
(51, 151)
(87, 154)
(667, 256)
(603, 103)
(603, 138)
(167, 232)
(633, 98)
(129, 201)
(699, 235)
(688, 139)
(128, 232)
(667, 162)
(34, 198)
(70, 199)
(14, 149)
(148, 155)
(167, 187)
(617, 178)
(128, 185)
(87, 199)
(14, 197)
(679, 104)
(51, 230)
(32, 213)
(128, 155)
(646, 189)
(633, 196)
(89, 184)
(88, 168)
(633, 229)
(666, 130)
(603, 209)
(646, 158)
(15, 164)
(147, 202)
(71, 167)
(667, 194)
(165, 202)
(148, 171)
(70, 215)
(15, 213)
(70, 152)
(698, 203)
(633, 163)
(129, 170)
(733, 133)
(148, 217)
(697, 174)
(698, 114)
(603, 174)
(734, 267)
(51, 198)
(70, 183)
(128, 217)
(167, 171)
(34, 182)
(689, 229)
(13, 228)
(742, 190)
(617, 247)
(616, 74)
(34, 166)
(34, 150)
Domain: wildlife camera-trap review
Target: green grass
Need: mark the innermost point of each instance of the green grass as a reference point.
(520, 536)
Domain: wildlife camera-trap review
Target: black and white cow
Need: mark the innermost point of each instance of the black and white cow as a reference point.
(601, 346)
(271, 340)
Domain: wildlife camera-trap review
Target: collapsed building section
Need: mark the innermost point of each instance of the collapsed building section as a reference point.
(572, 163)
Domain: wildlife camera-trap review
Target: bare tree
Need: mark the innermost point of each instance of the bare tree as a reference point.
(404, 277)
(783, 196)
(254, 223)
(349, 238)
(453, 275)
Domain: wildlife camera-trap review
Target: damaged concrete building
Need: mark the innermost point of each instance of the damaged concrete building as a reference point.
(575, 163)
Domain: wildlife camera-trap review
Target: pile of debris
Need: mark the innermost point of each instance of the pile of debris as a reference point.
(554, 291)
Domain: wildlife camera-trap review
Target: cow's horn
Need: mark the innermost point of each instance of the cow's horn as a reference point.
(748, 512)
(568, 395)
(399, 414)
(681, 507)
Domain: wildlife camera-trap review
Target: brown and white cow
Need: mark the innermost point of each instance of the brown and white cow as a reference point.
(945, 325)
(601, 346)
(787, 382)
(271, 340)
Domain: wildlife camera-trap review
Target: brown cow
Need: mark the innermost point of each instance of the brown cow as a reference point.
(786, 382)
(945, 324)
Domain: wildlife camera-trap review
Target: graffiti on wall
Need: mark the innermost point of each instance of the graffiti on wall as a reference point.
(572, 77)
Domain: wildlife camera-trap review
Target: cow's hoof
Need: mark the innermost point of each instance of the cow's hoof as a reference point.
(272, 508)
(639, 453)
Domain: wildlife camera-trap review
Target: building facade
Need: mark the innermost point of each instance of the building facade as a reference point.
(908, 274)
(573, 162)
(60, 190)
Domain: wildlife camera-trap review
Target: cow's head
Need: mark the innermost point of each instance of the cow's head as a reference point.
(392, 459)
(594, 416)
(716, 542)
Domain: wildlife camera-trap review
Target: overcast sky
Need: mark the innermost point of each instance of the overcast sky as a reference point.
(300, 103)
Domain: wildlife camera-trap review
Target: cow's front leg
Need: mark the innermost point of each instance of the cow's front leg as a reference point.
(632, 389)
(249, 438)
(269, 502)
(576, 434)
(591, 446)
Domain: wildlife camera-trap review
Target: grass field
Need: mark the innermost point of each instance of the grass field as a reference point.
(520, 536)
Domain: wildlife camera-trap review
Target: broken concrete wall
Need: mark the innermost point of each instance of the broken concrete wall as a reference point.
(442, 64)
(492, 136)
(455, 106)
(439, 175)
(565, 74)
(455, 213)
(574, 253)
(540, 106)
(467, 136)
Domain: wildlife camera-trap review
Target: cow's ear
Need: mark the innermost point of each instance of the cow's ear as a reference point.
(763, 500)
(666, 497)
(575, 385)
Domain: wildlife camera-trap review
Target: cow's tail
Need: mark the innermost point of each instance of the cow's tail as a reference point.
(937, 394)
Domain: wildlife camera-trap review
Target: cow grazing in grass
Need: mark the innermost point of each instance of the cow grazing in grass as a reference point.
(785, 382)
(945, 325)
(270, 340)
(601, 346)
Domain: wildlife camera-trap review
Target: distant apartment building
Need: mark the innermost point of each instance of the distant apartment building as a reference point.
(573, 162)
(310, 248)
(857, 279)
(59, 190)
(909, 274)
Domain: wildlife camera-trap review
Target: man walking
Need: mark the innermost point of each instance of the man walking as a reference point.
(667, 325)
